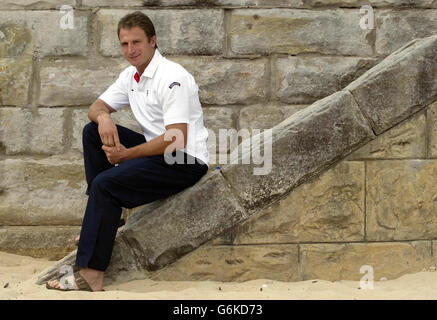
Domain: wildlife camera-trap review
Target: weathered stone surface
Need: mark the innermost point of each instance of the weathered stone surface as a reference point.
(373, 3)
(203, 35)
(143, 3)
(25, 130)
(405, 140)
(216, 119)
(302, 146)
(401, 200)
(36, 4)
(228, 81)
(434, 251)
(52, 243)
(185, 220)
(15, 77)
(292, 31)
(265, 116)
(234, 263)
(386, 102)
(118, 3)
(224, 238)
(432, 129)
(48, 34)
(397, 28)
(308, 79)
(48, 191)
(123, 117)
(329, 209)
(69, 82)
(262, 3)
(344, 261)
(15, 40)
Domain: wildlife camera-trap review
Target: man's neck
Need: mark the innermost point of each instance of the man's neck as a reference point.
(143, 67)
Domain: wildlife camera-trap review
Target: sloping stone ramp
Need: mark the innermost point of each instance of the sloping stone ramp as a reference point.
(303, 146)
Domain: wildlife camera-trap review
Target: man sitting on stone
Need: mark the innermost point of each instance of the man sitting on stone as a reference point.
(126, 169)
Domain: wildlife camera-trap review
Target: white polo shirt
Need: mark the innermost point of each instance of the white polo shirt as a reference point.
(165, 94)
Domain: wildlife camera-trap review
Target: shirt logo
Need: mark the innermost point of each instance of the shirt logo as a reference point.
(174, 84)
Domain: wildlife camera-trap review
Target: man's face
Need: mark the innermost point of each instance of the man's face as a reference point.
(136, 47)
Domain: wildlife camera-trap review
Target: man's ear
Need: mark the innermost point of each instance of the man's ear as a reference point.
(153, 41)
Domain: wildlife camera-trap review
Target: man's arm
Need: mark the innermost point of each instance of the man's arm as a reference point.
(174, 138)
(99, 112)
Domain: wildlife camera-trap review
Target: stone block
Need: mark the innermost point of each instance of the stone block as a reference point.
(234, 263)
(290, 31)
(405, 140)
(431, 114)
(15, 41)
(302, 146)
(46, 32)
(118, 3)
(36, 4)
(401, 200)
(329, 209)
(204, 34)
(260, 3)
(335, 262)
(434, 253)
(15, 80)
(69, 82)
(228, 81)
(38, 131)
(397, 28)
(265, 116)
(308, 79)
(373, 3)
(49, 191)
(52, 243)
(386, 102)
(216, 119)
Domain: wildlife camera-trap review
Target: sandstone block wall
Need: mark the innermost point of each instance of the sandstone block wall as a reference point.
(256, 63)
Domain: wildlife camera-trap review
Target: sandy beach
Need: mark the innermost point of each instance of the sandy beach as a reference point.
(18, 275)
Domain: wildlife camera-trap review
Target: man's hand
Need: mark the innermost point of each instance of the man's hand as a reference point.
(114, 156)
(108, 131)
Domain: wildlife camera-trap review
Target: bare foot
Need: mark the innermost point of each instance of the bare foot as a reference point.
(93, 277)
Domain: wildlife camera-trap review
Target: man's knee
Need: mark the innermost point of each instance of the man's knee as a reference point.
(101, 183)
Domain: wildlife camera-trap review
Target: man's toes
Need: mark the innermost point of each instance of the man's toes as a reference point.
(54, 284)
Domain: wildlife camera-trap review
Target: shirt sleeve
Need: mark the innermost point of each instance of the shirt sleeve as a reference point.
(176, 98)
(117, 94)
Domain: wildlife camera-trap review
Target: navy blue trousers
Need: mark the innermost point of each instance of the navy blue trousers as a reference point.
(130, 184)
